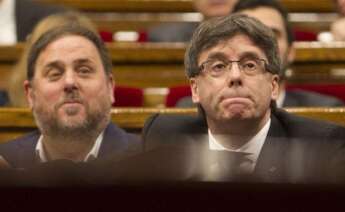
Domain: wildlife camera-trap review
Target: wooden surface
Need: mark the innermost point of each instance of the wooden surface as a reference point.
(161, 64)
(150, 53)
(142, 23)
(139, 15)
(17, 121)
(176, 5)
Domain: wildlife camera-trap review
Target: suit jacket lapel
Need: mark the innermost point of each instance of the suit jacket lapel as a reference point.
(117, 144)
(272, 161)
(112, 141)
(26, 150)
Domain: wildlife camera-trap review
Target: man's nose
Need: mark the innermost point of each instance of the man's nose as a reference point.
(234, 76)
(71, 81)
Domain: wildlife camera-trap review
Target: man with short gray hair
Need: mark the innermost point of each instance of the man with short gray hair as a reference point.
(233, 66)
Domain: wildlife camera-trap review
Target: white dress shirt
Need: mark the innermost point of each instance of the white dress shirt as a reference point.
(252, 147)
(8, 32)
(41, 154)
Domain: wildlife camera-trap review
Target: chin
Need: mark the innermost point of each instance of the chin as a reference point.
(236, 115)
(73, 122)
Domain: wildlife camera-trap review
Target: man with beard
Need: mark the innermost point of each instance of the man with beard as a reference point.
(69, 88)
(233, 66)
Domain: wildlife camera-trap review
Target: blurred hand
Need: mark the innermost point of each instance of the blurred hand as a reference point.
(338, 29)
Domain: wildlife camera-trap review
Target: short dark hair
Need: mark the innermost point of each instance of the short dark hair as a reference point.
(59, 32)
(253, 4)
(213, 31)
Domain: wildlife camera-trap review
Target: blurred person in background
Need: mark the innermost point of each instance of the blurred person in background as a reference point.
(19, 17)
(182, 32)
(337, 28)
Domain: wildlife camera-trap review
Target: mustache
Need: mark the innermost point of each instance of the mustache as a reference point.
(72, 97)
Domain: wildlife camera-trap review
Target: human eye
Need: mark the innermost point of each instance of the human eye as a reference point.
(54, 74)
(249, 65)
(217, 67)
(84, 70)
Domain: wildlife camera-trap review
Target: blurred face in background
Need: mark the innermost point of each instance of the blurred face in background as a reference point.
(341, 6)
(214, 8)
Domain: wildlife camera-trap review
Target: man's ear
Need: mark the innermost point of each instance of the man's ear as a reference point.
(111, 87)
(275, 87)
(195, 90)
(28, 93)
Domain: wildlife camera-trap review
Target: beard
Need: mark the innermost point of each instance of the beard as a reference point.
(72, 123)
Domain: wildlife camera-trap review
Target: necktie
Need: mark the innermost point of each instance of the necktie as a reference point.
(228, 166)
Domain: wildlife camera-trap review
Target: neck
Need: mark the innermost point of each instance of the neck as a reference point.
(70, 147)
(235, 133)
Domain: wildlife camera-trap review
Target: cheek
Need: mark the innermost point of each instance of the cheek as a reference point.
(48, 95)
(261, 91)
(210, 96)
(209, 90)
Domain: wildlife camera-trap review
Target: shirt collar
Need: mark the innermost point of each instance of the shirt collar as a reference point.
(253, 146)
(41, 154)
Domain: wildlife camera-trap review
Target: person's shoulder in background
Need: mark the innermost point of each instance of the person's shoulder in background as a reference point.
(300, 98)
(29, 13)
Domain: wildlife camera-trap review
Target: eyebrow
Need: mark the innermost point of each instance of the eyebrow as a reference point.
(82, 61)
(52, 65)
(250, 55)
(217, 55)
(222, 56)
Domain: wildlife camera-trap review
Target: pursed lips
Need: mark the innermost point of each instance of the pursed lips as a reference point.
(71, 102)
(231, 100)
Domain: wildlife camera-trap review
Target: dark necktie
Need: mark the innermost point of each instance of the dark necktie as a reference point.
(226, 165)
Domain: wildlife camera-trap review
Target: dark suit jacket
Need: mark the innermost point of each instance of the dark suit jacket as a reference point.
(28, 14)
(20, 153)
(296, 149)
(3, 98)
(297, 98)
